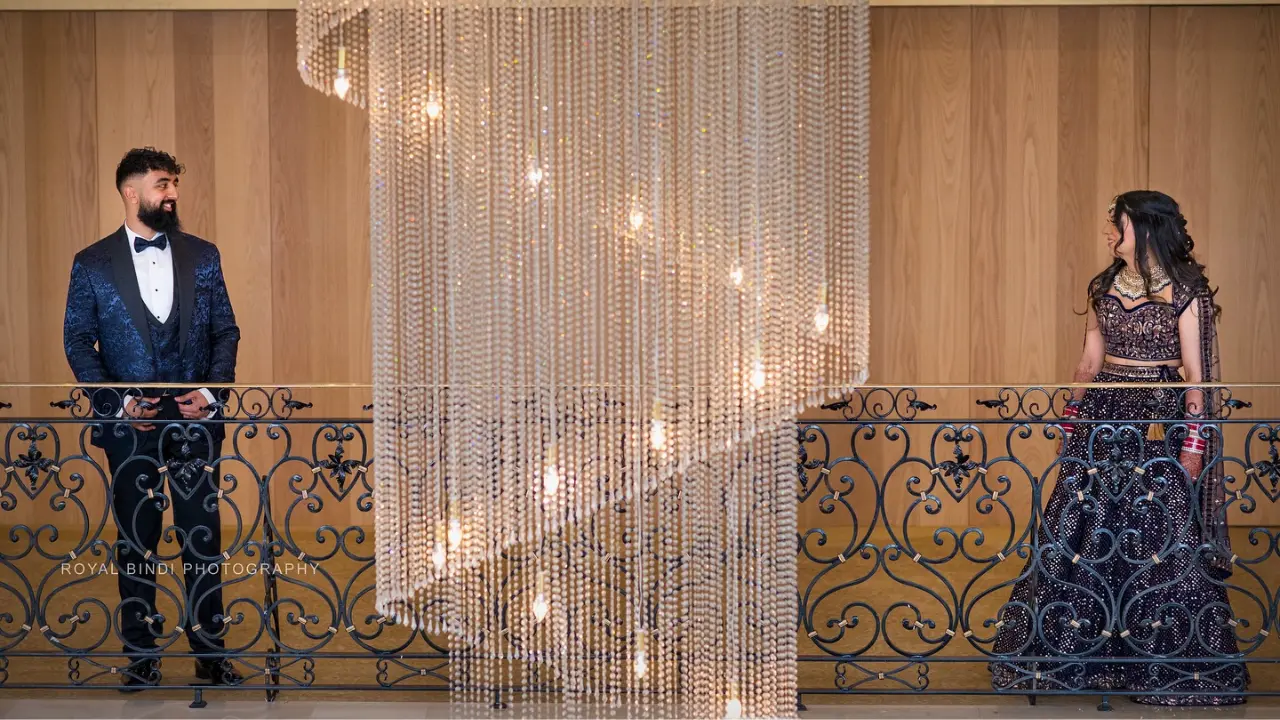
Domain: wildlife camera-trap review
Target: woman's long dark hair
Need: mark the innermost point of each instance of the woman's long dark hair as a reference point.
(1159, 231)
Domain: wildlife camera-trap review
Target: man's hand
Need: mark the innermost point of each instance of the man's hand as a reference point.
(134, 410)
(194, 405)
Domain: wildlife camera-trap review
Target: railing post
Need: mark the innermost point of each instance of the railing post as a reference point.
(270, 597)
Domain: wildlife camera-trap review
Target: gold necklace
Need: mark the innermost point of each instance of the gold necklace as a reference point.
(1129, 282)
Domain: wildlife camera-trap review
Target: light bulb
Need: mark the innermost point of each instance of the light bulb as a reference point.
(657, 427)
(455, 533)
(551, 480)
(636, 218)
(434, 108)
(438, 556)
(540, 607)
(658, 434)
(822, 318)
(736, 274)
(341, 83)
(535, 175)
(757, 375)
(551, 473)
(733, 709)
(642, 656)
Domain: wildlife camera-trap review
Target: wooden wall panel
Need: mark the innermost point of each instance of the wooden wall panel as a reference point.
(135, 69)
(999, 135)
(241, 180)
(15, 327)
(1014, 121)
(195, 115)
(319, 226)
(60, 101)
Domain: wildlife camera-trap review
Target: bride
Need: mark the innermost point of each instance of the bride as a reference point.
(1132, 551)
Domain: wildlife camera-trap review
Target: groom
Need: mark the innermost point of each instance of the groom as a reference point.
(148, 304)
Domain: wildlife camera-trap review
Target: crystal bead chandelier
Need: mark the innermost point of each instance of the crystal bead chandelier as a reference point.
(617, 248)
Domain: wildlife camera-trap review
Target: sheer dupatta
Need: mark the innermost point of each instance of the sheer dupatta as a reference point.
(1213, 506)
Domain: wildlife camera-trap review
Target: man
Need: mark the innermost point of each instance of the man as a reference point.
(148, 304)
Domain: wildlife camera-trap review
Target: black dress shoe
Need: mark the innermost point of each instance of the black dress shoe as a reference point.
(218, 672)
(139, 674)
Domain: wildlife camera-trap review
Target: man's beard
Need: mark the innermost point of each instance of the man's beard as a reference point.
(159, 219)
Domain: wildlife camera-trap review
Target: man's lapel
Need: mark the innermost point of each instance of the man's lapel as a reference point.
(184, 266)
(126, 280)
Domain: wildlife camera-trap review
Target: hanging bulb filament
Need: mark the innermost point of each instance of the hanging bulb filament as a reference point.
(551, 473)
(657, 427)
(540, 605)
(758, 376)
(455, 533)
(642, 656)
(822, 318)
(342, 83)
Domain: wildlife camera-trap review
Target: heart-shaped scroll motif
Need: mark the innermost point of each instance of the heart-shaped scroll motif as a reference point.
(1114, 459)
(339, 470)
(186, 468)
(29, 467)
(959, 474)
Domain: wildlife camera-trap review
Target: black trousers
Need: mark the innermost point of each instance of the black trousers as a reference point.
(137, 486)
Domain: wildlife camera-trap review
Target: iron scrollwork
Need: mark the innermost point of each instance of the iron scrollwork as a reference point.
(915, 527)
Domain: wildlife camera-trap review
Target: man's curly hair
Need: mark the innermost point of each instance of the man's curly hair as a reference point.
(140, 161)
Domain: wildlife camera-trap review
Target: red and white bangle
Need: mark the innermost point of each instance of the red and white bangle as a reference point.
(1194, 442)
(1070, 411)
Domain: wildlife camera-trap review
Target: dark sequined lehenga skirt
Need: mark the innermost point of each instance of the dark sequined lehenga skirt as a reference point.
(1121, 571)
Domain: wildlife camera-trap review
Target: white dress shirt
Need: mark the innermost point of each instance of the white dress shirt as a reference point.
(154, 270)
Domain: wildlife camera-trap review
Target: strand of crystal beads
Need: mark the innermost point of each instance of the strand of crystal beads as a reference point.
(391, 575)
(702, 667)
(757, 688)
(860, 158)
(463, 116)
(435, 492)
(415, 165)
(674, 644)
(532, 448)
(707, 233)
(786, 578)
(507, 183)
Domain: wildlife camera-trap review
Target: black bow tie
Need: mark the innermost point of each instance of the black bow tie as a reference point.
(159, 242)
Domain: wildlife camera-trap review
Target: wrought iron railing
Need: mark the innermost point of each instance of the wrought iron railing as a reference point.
(920, 509)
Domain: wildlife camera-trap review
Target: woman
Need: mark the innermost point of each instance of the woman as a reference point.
(1132, 552)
